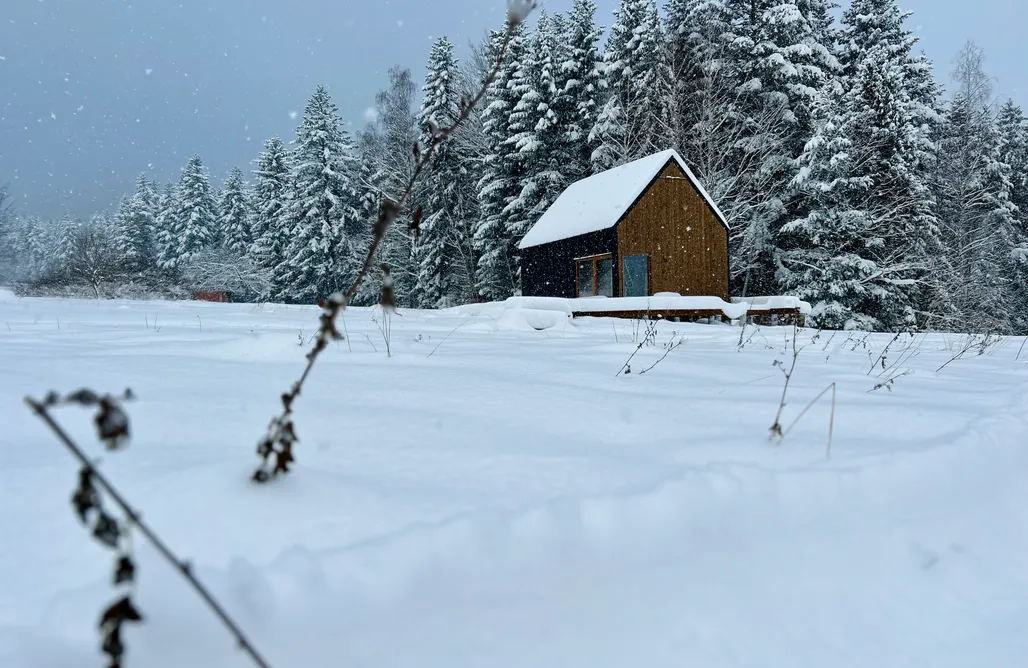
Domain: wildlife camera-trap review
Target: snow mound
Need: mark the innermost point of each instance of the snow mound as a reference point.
(533, 313)
(774, 302)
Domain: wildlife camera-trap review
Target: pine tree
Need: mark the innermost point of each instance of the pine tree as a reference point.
(441, 191)
(1013, 136)
(271, 225)
(629, 126)
(1013, 151)
(320, 258)
(195, 223)
(66, 235)
(536, 133)
(502, 169)
(165, 236)
(863, 251)
(235, 214)
(135, 228)
(580, 84)
(37, 243)
(779, 64)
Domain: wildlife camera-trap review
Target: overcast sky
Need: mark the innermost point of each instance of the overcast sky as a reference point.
(94, 92)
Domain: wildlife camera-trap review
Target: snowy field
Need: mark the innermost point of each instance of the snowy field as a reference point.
(492, 495)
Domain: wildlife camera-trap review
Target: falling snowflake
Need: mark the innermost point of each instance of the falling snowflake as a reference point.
(370, 115)
(149, 71)
(293, 114)
(53, 115)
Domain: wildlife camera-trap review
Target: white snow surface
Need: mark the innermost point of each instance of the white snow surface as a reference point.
(598, 202)
(492, 495)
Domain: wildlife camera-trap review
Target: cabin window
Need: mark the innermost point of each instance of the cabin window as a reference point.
(595, 276)
(636, 270)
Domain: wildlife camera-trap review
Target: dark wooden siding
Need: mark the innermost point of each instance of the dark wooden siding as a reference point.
(687, 245)
(549, 270)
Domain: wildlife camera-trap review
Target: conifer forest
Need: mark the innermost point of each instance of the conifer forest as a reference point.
(853, 175)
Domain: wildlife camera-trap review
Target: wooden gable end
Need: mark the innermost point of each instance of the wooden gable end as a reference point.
(676, 228)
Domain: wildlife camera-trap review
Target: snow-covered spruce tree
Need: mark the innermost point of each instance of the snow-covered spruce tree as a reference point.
(864, 251)
(195, 219)
(8, 236)
(66, 235)
(35, 243)
(537, 133)
(165, 229)
(579, 84)
(442, 193)
(779, 64)
(320, 258)
(236, 215)
(628, 126)
(1013, 136)
(471, 144)
(136, 227)
(500, 182)
(271, 226)
(1013, 151)
(977, 216)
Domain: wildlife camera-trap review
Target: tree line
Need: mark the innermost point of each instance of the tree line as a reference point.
(850, 175)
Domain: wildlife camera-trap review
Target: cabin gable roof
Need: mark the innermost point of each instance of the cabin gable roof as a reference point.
(601, 201)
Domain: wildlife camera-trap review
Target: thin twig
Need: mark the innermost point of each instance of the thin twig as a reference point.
(184, 568)
(280, 431)
(776, 428)
(455, 329)
(668, 349)
(346, 334)
(831, 419)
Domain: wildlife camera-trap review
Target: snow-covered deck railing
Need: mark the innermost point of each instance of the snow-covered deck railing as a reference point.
(666, 305)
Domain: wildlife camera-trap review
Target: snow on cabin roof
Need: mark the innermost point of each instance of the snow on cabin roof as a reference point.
(599, 201)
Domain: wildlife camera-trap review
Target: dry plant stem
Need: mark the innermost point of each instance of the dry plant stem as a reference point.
(649, 335)
(776, 428)
(452, 331)
(881, 356)
(831, 418)
(183, 567)
(1019, 350)
(281, 432)
(670, 348)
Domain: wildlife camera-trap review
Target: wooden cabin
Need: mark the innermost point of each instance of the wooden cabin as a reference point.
(643, 228)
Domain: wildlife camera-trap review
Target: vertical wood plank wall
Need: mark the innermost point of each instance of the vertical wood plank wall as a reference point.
(687, 245)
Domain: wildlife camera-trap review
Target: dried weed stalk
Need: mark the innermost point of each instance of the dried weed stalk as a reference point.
(649, 338)
(276, 448)
(776, 428)
(779, 433)
(671, 346)
(89, 501)
(979, 344)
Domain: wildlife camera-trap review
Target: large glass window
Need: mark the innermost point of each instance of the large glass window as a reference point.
(586, 287)
(636, 270)
(605, 277)
(595, 276)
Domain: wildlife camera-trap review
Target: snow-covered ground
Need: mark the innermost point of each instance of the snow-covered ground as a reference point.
(492, 495)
